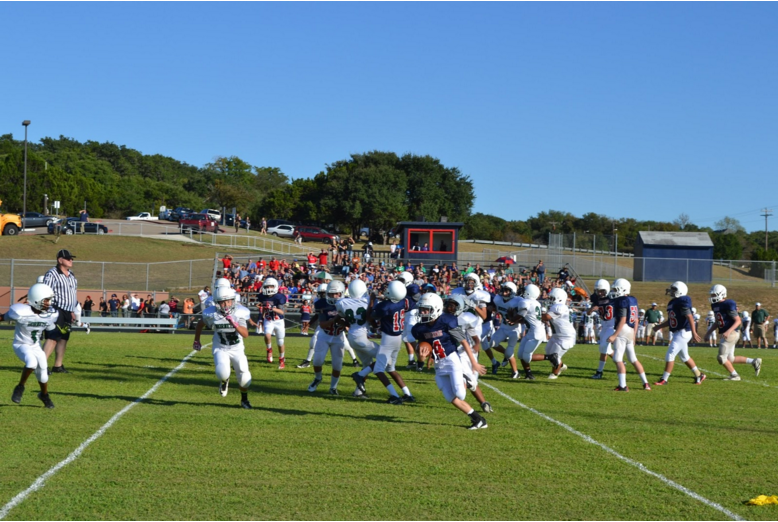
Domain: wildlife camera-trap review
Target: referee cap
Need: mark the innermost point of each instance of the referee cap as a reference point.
(65, 254)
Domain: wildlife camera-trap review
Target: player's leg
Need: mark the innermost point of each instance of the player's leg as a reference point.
(268, 329)
(605, 350)
(633, 358)
(308, 358)
(347, 347)
(382, 364)
(337, 350)
(391, 369)
(222, 364)
(280, 332)
(241, 366)
(319, 355)
(619, 347)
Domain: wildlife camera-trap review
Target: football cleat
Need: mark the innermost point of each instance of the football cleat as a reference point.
(472, 386)
(515, 375)
(698, 380)
(495, 367)
(281, 363)
(597, 375)
(553, 376)
(529, 375)
(757, 366)
(245, 404)
(487, 407)
(314, 385)
(270, 355)
(660, 382)
(59, 369)
(479, 423)
(408, 398)
(355, 362)
(46, 400)
(17, 394)
(735, 377)
(394, 400)
(619, 388)
(88, 328)
(564, 367)
(360, 381)
(304, 364)
(334, 391)
(646, 386)
(224, 386)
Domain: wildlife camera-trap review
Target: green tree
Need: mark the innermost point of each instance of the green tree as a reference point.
(729, 223)
(726, 246)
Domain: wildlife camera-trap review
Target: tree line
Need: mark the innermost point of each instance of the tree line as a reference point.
(373, 191)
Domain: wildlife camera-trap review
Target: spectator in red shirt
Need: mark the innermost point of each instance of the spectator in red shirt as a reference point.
(261, 264)
(274, 264)
(323, 259)
(311, 261)
(227, 262)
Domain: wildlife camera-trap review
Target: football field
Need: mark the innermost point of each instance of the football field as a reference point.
(140, 432)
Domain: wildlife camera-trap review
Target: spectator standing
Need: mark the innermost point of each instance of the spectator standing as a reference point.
(237, 223)
(164, 309)
(203, 295)
(263, 229)
(114, 304)
(83, 216)
(125, 305)
(653, 317)
(103, 307)
(135, 305)
(87, 307)
(759, 318)
(64, 284)
(323, 259)
(540, 270)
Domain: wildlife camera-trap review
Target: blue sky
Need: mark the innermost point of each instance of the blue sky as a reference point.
(642, 110)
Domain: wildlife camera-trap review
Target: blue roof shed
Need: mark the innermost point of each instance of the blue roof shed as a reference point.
(674, 256)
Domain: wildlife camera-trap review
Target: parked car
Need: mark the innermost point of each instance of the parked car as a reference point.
(215, 214)
(316, 234)
(198, 222)
(36, 219)
(143, 216)
(178, 212)
(281, 230)
(272, 223)
(74, 225)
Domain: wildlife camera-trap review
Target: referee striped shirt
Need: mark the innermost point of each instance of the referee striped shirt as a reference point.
(64, 289)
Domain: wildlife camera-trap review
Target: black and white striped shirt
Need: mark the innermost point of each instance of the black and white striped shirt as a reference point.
(64, 289)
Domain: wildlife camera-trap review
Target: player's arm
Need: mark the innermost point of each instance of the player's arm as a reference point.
(617, 329)
(460, 337)
(198, 331)
(736, 324)
(693, 325)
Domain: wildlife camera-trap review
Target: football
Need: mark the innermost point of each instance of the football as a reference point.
(425, 349)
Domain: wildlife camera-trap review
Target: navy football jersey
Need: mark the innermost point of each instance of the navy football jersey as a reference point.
(725, 312)
(678, 310)
(625, 306)
(325, 312)
(444, 335)
(391, 316)
(412, 290)
(604, 308)
(266, 302)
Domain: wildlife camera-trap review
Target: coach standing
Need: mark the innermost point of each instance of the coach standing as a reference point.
(64, 284)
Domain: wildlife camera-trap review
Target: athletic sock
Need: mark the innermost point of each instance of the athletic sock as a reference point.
(733, 374)
(601, 366)
(696, 371)
(244, 396)
(334, 382)
(392, 391)
(494, 361)
(411, 359)
(623, 380)
(666, 376)
(364, 372)
(644, 378)
(406, 391)
(470, 413)
(749, 360)
(317, 375)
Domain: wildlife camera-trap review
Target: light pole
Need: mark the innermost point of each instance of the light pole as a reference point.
(24, 204)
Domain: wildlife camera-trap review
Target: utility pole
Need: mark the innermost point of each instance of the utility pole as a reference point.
(766, 214)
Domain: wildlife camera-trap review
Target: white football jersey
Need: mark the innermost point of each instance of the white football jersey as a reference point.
(503, 307)
(529, 309)
(470, 323)
(29, 325)
(355, 312)
(560, 321)
(588, 319)
(224, 334)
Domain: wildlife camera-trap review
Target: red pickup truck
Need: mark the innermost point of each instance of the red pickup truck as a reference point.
(199, 223)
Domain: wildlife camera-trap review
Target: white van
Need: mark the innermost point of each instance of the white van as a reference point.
(214, 214)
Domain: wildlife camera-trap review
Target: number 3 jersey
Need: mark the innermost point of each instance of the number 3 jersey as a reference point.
(726, 313)
(224, 334)
(355, 312)
(29, 325)
(604, 310)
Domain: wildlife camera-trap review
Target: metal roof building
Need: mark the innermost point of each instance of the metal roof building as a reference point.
(674, 256)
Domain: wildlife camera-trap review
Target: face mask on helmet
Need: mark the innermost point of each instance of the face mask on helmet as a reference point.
(39, 298)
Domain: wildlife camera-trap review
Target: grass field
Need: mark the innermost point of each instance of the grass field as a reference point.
(184, 452)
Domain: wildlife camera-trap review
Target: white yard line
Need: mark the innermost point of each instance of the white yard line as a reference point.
(709, 372)
(41, 481)
(641, 467)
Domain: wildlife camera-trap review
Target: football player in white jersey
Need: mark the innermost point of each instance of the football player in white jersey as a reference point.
(32, 319)
(563, 338)
(321, 293)
(710, 320)
(506, 304)
(355, 310)
(530, 311)
(228, 320)
(454, 305)
(588, 321)
(602, 301)
(641, 337)
(476, 299)
(745, 328)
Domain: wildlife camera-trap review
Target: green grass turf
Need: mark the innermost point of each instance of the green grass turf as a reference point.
(187, 453)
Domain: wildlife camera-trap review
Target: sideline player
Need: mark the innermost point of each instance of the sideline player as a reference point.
(745, 327)
(728, 321)
(625, 316)
(272, 306)
(228, 321)
(563, 338)
(331, 338)
(683, 328)
(441, 335)
(710, 323)
(32, 319)
(601, 299)
(355, 309)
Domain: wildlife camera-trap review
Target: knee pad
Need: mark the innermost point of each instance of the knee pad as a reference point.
(42, 374)
(223, 372)
(633, 358)
(684, 357)
(731, 357)
(721, 359)
(509, 352)
(244, 380)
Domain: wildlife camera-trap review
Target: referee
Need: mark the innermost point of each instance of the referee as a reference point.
(64, 284)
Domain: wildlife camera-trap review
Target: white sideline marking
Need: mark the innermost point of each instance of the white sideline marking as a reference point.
(709, 372)
(621, 457)
(41, 481)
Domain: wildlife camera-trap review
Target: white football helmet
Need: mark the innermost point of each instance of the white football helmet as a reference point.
(472, 283)
(396, 291)
(745, 314)
(711, 314)
(321, 291)
(621, 287)
(602, 287)
(335, 291)
(270, 286)
(677, 289)
(508, 290)
(39, 297)
(225, 299)
(718, 293)
(430, 308)
(557, 296)
(357, 288)
(531, 292)
(641, 313)
(222, 282)
(694, 310)
(457, 302)
(405, 277)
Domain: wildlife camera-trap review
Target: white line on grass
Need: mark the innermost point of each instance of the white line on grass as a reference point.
(621, 457)
(709, 372)
(41, 481)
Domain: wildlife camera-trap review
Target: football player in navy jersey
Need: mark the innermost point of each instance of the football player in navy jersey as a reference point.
(272, 306)
(331, 337)
(602, 300)
(443, 334)
(413, 294)
(625, 316)
(683, 328)
(727, 320)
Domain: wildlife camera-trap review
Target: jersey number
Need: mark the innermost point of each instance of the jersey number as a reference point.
(398, 321)
(352, 317)
(437, 350)
(673, 320)
(229, 338)
(606, 313)
(633, 314)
